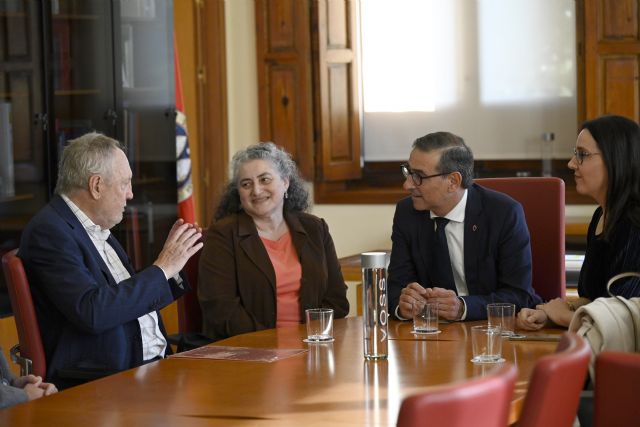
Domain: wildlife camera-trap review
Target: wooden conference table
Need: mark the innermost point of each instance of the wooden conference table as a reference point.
(331, 384)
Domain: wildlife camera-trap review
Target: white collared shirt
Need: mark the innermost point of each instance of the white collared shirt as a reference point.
(455, 242)
(153, 342)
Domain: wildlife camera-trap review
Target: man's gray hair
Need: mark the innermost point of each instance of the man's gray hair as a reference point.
(91, 154)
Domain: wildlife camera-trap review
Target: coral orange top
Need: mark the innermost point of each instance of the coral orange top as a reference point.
(286, 265)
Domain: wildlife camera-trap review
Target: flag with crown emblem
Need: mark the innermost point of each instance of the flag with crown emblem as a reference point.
(186, 210)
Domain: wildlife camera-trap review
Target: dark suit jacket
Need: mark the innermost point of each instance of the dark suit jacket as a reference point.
(237, 283)
(497, 252)
(86, 319)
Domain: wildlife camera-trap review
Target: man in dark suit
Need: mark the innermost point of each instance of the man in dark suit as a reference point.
(455, 242)
(95, 313)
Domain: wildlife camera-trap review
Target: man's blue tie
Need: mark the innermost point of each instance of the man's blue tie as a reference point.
(441, 272)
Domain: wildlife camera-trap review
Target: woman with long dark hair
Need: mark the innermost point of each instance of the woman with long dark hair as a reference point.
(606, 166)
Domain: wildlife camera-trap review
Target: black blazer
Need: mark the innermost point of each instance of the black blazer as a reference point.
(497, 252)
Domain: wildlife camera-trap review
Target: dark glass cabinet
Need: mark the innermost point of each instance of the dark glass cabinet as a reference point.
(68, 67)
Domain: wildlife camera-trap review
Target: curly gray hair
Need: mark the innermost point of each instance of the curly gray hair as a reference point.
(298, 196)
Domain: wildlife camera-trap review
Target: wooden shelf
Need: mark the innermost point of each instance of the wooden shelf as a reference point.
(16, 198)
(147, 180)
(16, 223)
(142, 89)
(75, 17)
(72, 92)
(13, 95)
(13, 14)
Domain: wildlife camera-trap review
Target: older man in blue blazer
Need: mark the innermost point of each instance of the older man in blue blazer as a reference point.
(455, 242)
(97, 314)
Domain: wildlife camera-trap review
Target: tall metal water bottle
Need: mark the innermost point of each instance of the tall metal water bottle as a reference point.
(375, 310)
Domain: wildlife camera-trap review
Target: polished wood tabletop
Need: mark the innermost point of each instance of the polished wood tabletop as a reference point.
(330, 384)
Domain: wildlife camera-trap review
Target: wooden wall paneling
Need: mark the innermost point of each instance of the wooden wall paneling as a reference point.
(619, 20)
(9, 338)
(591, 107)
(283, 97)
(212, 102)
(611, 55)
(619, 76)
(580, 64)
(337, 89)
(283, 48)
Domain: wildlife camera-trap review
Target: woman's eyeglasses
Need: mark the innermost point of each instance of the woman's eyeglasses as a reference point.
(416, 176)
(581, 155)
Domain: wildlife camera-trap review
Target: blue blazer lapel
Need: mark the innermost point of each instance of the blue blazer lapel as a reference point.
(474, 235)
(82, 237)
(124, 258)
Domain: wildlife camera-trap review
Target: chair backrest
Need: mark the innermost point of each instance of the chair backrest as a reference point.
(555, 385)
(542, 199)
(24, 312)
(480, 402)
(189, 314)
(617, 384)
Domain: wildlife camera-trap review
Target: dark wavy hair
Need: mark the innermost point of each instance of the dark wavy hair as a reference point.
(456, 155)
(618, 139)
(297, 195)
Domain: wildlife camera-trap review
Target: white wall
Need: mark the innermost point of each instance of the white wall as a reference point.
(358, 228)
(242, 78)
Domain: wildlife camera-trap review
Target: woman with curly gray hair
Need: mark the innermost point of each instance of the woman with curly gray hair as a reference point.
(265, 260)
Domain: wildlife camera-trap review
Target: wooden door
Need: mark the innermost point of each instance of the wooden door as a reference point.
(283, 47)
(337, 86)
(611, 58)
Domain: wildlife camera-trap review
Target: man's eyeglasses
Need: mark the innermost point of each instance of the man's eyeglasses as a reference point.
(416, 176)
(581, 155)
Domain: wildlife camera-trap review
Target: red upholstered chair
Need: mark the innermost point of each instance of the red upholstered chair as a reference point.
(480, 402)
(29, 353)
(555, 385)
(542, 199)
(617, 385)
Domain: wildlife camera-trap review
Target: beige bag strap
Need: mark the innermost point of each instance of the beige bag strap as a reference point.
(618, 277)
(625, 301)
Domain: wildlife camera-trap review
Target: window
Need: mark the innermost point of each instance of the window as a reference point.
(498, 73)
